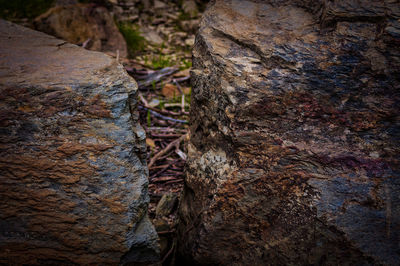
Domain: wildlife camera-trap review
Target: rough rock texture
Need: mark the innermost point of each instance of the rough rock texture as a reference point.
(87, 24)
(295, 131)
(73, 176)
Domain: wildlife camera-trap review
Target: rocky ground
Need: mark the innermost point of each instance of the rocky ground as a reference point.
(159, 37)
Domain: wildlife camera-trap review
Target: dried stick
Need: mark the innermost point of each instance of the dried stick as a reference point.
(174, 143)
(163, 170)
(165, 135)
(166, 232)
(156, 76)
(163, 179)
(146, 104)
(182, 78)
(167, 129)
(182, 95)
(158, 166)
(85, 43)
(183, 103)
(174, 181)
(163, 116)
(168, 253)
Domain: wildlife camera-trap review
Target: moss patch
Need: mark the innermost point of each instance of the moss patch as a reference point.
(135, 42)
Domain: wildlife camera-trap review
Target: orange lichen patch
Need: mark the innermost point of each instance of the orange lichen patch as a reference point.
(50, 127)
(44, 193)
(326, 64)
(100, 147)
(363, 120)
(70, 148)
(114, 204)
(97, 107)
(21, 166)
(40, 168)
(65, 179)
(55, 220)
(71, 239)
(49, 111)
(310, 38)
(26, 108)
(228, 196)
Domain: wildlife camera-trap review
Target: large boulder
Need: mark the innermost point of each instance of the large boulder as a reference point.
(73, 175)
(90, 25)
(295, 135)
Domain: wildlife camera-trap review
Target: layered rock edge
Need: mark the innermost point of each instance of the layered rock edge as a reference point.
(295, 128)
(73, 174)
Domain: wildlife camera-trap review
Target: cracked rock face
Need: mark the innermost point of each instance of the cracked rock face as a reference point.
(73, 176)
(295, 131)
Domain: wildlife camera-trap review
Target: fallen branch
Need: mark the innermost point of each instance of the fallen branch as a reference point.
(168, 253)
(171, 172)
(144, 73)
(174, 143)
(146, 104)
(163, 170)
(167, 156)
(181, 154)
(164, 179)
(166, 232)
(163, 116)
(167, 129)
(166, 112)
(139, 63)
(158, 166)
(181, 79)
(165, 135)
(156, 76)
(174, 181)
(182, 95)
(85, 43)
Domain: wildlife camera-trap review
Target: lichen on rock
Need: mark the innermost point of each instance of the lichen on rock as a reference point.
(73, 178)
(301, 98)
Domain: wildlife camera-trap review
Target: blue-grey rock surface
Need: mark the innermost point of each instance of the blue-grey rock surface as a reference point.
(295, 135)
(73, 174)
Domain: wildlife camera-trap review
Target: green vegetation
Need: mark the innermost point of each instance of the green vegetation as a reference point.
(161, 61)
(135, 42)
(14, 9)
(148, 118)
(183, 16)
(188, 97)
(185, 64)
(158, 61)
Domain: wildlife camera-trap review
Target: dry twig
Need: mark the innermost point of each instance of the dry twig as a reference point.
(174, 143)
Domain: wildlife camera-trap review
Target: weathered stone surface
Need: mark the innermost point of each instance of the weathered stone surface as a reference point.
(87, 24)
(73, 176)
(295, 130)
